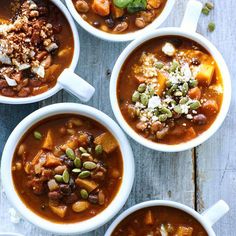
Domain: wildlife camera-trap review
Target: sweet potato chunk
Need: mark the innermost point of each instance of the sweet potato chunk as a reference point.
(89, 185)
(205, 75)
(107, 141)
(184, 231)
(72, 143)
(210, 106)
(190, 133)
(36, 158)
(154, 4)
(52, 161)
(116, 12)
(101, 7)
(48, 142)
(59, 210)
(195, 93)
(161, 84)
(149, 220)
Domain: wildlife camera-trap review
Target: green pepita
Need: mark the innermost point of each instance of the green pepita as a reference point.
(84, 174)
(135, 96)
(183, 100)
(195, 105)
(211, 26)
(70, 153)
(193, 83)
(205, 11)
(38, 135)
(174, 66)
(99, 149)
(185, 89)
(89, 165)
(77, 162)
(76, 170)
(168, 84)
(83, 150)
(178, 94)
(172, 89)
(85, 155)
(167, 112)
(162, 117)
(58, 178)
(209, 5)
(159, 65)
(66, 176)
(144, 99)
(142, 88)
(84, 193)
(178, 109)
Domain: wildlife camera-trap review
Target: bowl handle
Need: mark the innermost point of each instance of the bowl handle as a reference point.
(191, 16)
(76, 85)
(214, 213)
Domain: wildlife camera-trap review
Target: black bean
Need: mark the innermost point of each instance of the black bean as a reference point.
(71, 198)
(96, 24)
(110, 23)
(55, 195)
(195, 61)
(93, 198)
(65, 189)
(200, 119)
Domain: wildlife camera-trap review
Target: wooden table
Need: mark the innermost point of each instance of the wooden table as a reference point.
(198, 177)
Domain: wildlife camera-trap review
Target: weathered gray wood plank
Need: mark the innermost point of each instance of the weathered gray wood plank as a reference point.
(216, 169)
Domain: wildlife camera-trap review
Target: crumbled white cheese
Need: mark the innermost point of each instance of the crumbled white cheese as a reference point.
(51, 47)
(154, 102)
(15, 217)
(168, 49)
(163, 231)
(39, 70)
(189, 116)
(24, 66)
(184, 108)
(185, 70)
(10, 82)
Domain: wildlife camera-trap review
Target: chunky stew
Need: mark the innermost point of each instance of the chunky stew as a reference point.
(170, 90)
(159, 221)
(67, 168)
(119, 16)
(36, 44)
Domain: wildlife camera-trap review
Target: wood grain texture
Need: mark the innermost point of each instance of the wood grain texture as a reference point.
(158, 175)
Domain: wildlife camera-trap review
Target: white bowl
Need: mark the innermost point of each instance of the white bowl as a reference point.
(187, 30)
(207, 219)
(70, 228)
(68, 79)
(120, 37)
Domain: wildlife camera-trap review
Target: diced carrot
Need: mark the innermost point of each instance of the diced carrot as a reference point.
(48, 142)
(205, 75)
(59, 210)
(107, 141)
(101, 7)
(210, 106)
(149, 219)
(184, 231)
(190, 133)
(36, 158)
(161, 84)
(71, 143)
(116, 12)
(195, 93)
(154, 3)
(39, 90)
(89, 185)
(52, 161)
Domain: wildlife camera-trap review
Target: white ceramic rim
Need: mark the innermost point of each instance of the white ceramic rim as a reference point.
(57, 87)
(167, 203)
(226, 97)
(121, 196)
(121, 37)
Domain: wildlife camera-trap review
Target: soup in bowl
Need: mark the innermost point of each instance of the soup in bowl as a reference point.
(68, 172)
(38, 41)
(170, 90)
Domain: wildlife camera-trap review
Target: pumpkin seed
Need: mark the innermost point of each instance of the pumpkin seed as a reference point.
(76, 170)
(159, 65)
(205, 11)
(89, 165)
(84, 193)
(70, 153)
(195, 105)
(144, 99)
(66, 176)
(83, 150)
(135, 96)
(183, 100)
(77, 162)
(174, 66)
(84, 174)
(168, 84)
(151, 91)
(142, 88)
(38, 135)
(89, 150)
(162, 117)
(99, 149)
(178, 109)
(58, 178)
(167, 112)
(85, 155)
(185, 89)
(193, 83)
(209, 5)
(172, 89)
(178, 93)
